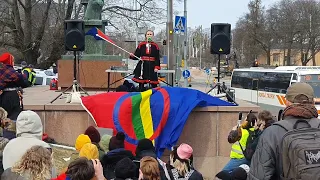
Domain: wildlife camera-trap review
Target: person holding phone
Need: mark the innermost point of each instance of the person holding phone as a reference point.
(146, 70)
(238, 137)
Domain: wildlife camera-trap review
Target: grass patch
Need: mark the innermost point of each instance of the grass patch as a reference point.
(60, 153)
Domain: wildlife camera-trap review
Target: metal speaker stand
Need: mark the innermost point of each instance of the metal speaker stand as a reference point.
(218, 86)
(75, 87)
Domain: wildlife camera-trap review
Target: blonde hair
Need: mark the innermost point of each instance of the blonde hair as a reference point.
(182, 166)
(35, 164)
(150, 168)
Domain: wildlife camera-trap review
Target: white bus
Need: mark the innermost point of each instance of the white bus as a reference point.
(267, 87)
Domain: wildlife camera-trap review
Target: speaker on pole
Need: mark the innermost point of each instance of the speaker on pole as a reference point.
(220, 38)
(74, 35)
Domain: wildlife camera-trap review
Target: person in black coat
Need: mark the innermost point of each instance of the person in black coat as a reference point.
(115, 154)
(149, 52)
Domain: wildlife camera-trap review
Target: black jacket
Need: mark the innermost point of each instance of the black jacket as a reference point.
(110, 160)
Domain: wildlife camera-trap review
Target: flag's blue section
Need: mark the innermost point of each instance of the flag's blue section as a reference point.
(182, 102)
(93, 32)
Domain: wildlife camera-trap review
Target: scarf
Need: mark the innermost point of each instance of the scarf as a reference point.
(306, 111)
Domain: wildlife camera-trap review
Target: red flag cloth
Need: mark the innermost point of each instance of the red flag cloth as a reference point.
(99, 35)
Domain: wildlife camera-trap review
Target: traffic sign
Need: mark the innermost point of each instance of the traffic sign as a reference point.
(186, 73)
(180, 24)
(208, 71)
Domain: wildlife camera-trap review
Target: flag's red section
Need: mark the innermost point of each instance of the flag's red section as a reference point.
(101, 107)
(101, 34)
(125, 117)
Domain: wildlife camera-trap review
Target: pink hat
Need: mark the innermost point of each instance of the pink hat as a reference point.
(184, 151)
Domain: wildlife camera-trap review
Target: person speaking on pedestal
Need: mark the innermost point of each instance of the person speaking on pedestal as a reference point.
(146, 70)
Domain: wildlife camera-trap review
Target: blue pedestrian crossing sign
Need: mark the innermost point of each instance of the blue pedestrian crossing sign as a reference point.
(186, 73)
(180, 24)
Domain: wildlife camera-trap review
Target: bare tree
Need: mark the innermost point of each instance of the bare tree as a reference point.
(309, 27)
(25, 35)
(290, 25)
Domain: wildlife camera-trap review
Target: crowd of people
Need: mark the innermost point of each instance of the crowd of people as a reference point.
(100, 157)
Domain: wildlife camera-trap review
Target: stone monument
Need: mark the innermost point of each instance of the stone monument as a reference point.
(94, 60)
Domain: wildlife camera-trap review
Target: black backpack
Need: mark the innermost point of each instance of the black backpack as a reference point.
(299, 150)
(249, 151)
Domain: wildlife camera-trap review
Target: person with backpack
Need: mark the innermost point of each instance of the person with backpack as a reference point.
(290, 148)
(239, 138)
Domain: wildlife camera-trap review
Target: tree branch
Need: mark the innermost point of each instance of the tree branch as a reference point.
(78, 11)
(23, 6)
(69, 9)
(36, 3)
(121, 8)
(10, 44)
(127, 9)
(41, 29)
(17, 20)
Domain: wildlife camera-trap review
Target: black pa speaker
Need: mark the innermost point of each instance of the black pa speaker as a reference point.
(220, 38)
(74, 35)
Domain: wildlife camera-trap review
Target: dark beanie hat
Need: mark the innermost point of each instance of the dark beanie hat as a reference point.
(117, 141)
(93, 134)
(224, 175)
(125, 169)
(144, 144)
(239, 174)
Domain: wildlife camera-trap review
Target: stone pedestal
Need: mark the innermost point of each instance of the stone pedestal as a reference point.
(93, 46)
(91, 72)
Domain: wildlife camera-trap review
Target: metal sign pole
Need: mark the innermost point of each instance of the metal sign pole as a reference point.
(185, 43)
(177, 57)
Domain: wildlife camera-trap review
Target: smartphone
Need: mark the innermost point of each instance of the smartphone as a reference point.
(240, 119)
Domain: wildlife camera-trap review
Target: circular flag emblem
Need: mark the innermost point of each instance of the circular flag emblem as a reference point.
(142, 115)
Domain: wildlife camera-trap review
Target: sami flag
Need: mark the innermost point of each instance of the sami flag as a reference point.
(99, 35)
(157, 114)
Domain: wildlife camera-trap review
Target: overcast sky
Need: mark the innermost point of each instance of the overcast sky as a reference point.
(205, 12)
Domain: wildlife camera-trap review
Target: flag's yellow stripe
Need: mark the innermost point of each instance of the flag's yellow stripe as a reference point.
(145, 113)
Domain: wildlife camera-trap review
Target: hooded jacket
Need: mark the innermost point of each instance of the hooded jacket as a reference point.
(29, 133)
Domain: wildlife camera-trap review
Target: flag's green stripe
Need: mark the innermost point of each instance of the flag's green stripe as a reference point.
(136, 118)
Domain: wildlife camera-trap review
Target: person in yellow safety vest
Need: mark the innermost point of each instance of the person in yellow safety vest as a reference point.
(30, 74)
(239, 137)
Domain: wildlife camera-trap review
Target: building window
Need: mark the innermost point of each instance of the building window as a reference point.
(276, 57)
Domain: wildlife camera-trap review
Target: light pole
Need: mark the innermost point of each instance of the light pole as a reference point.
(137, 28)
(171, 63)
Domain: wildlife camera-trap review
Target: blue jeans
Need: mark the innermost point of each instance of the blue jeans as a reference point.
(234, 163)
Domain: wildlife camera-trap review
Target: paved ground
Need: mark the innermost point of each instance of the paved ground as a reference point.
(42, 95)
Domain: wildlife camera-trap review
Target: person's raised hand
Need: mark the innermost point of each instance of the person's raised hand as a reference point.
(98, 169)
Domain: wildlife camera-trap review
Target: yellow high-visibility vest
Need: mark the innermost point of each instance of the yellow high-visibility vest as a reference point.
(236, 152)
(32, 75)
